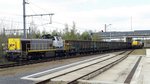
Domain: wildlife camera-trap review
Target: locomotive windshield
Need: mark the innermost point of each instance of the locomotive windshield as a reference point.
(47, 36)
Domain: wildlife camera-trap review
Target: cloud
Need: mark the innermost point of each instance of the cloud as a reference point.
(119, 17)
(88, 14)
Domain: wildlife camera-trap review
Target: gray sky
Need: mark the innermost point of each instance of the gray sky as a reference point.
(87, 14)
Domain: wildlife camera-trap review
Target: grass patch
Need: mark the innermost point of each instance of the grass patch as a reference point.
(139, 52)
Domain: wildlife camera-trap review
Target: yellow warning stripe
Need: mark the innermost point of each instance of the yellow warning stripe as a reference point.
(42, 50)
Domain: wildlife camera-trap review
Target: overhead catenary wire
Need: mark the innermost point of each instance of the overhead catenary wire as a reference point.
(48, 11)
(43, 23)
(32, 9)
(44, 10)
(15, 21)
(37, 25)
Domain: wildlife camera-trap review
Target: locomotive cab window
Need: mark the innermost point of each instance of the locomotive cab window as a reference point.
(56, 38)
(53, 38)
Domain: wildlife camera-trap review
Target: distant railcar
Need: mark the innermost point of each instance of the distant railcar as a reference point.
(137, 44)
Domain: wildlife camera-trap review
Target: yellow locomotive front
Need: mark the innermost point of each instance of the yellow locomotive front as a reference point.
(137, 44)
(14, 44)
(13, 48)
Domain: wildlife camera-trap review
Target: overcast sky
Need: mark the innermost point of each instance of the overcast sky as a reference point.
(87, 14)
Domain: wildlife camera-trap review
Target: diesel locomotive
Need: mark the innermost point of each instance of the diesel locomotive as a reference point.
(56, 47)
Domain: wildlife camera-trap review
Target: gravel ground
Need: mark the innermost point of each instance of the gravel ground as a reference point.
(139, 52)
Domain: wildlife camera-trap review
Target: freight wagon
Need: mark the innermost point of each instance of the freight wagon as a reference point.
(55, 47)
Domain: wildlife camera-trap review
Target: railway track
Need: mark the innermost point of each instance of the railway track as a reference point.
(7, 65)
(84, 71)
(22, 63)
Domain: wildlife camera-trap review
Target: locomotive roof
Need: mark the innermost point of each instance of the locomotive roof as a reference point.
(35, 39)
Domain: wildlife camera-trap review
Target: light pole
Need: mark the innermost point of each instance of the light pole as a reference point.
(106, 29)
(131, 23)
(110, 35)
(107, 26)
(24, 17)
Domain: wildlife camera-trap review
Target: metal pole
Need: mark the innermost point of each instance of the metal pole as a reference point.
(3, 31)
(131, 23)
(105, 27)
(30, 32)
(24, 19)
(110, 36)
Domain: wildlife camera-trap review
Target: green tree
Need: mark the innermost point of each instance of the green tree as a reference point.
(70, 34)
(73, 32)
(96, 37)
(66, 33)
(85, 36)
(44, 32)
(38, 34)
(56, 33)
